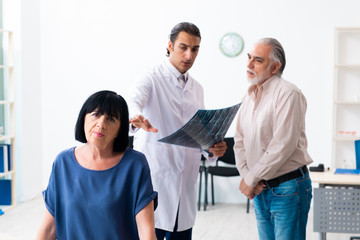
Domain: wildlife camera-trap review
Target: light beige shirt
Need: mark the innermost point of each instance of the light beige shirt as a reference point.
(270, 135)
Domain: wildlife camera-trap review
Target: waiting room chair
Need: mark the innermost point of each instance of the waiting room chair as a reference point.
(223, 171)
(202, 170)
(131, 142)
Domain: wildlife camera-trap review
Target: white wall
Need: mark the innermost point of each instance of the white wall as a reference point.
(23, 18)
(87, 45)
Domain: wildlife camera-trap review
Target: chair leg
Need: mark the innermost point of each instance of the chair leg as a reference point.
(212, 190)
(248, 206)
(199, 198)
(206, 187)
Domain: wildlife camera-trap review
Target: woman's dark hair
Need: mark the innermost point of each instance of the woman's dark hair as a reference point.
(112, 104)
(187, 27)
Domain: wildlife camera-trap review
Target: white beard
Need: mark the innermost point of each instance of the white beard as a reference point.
(254, 80)
(257, 79)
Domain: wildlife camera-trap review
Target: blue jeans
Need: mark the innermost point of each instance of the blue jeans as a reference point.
(282, 212)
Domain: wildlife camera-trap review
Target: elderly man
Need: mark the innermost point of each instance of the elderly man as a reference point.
(271, 146)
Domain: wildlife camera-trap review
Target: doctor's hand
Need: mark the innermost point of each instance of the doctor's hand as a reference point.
(219, 149)
(143, 123)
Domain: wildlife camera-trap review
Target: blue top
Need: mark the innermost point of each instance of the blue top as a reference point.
(90, 204)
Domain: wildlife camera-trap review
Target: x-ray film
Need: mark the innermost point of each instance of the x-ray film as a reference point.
(204, 129)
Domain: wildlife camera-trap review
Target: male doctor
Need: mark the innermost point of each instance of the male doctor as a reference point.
(163, 101)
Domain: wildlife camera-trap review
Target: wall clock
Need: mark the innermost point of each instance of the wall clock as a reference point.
(231, 44)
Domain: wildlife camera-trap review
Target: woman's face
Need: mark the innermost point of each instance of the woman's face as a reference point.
(101, 130)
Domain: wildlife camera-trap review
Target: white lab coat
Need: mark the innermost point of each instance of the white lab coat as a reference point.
(160, 98)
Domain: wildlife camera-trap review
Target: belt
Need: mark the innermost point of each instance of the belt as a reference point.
(286, 177)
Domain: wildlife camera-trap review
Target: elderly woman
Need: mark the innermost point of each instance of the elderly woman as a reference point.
(102, 189)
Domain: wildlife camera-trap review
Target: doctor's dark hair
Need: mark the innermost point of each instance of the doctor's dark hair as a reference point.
(277, 53)
(187, 27)
(111, 104)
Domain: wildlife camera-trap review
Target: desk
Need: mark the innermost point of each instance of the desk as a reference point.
(336, 209)
(328, 178)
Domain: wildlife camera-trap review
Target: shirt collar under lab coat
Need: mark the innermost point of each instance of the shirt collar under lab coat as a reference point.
(174, 71)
